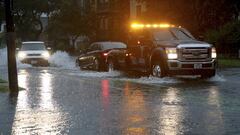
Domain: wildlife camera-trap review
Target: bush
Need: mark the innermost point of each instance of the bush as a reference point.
(226, 39)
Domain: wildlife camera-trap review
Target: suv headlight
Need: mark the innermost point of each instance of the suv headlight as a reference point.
(171, 53)
(21, 55)
(214, 53)
(46, 55)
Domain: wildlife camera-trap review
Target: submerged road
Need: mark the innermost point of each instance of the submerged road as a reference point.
(72, 102)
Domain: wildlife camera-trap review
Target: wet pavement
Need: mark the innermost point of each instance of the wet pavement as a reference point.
(72, 102)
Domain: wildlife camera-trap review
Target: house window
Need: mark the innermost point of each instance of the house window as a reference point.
(104, 23)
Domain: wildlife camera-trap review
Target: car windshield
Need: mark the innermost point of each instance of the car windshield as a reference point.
(33, 46)
(107, 46)
(170, 34)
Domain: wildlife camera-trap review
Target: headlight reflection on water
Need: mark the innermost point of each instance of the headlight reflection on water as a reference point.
(171, 113)
(41, 116)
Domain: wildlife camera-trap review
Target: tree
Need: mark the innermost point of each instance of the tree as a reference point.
(68, 22)
(1, 11)
(27, 14)
(197, 15)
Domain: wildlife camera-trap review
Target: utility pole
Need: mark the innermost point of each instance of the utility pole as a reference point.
(11, 49)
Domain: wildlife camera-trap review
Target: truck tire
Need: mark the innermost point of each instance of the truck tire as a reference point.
(208, 74)
(158, 69)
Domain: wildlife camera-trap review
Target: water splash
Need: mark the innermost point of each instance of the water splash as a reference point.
(217, 78)
(62, 60)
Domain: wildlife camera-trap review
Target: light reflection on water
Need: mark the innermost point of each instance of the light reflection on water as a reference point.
(171, 113)
(214, 118)
(43, 117)
(135, 112)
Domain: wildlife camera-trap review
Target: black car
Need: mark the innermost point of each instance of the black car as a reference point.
(99, 56)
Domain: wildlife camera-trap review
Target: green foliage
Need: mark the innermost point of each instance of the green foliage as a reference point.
(226, 38)
(1, 12)
(27, 15)
(197, 15)
(69, 23)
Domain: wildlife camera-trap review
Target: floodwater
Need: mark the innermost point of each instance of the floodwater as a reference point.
(61, 99)
(73, 102)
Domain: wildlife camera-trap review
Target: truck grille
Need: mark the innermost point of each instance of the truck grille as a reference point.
(194, 54)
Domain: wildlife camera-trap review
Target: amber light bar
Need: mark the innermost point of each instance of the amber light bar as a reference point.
(141, 26)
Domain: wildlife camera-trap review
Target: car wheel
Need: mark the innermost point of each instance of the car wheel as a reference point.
(111, 66)
(96, 65)
(77, 63)
(158, 70)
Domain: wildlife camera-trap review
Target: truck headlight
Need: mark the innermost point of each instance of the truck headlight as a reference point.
(46, 55)
(171, 53)
(214, 53)
(21, 55)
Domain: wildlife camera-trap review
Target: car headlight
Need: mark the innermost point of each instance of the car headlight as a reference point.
(21, 55)
(46, 55)
(214, 53)
(171, 53)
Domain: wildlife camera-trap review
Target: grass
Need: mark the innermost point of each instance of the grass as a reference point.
(3, 86)
(2, 81)
(228, 63)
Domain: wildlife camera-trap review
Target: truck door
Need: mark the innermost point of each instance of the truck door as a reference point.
(139, 48)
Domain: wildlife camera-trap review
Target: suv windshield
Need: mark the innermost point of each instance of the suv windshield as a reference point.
(107, 46)
(33, 46)
(170, 34)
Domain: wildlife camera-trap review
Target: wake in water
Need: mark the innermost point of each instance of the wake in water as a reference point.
(174, 80)
(112, 74)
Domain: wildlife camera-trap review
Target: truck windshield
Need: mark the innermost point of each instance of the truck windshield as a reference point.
(170, 34)
(107, 46)
(33, 46)
(163, 35)
(181, 35)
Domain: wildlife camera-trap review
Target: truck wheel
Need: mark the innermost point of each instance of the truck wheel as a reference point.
(111, 65)
(158, 70)
(96, 65)
(208, 74)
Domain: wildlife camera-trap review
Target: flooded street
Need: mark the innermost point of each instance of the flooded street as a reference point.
(63, 101)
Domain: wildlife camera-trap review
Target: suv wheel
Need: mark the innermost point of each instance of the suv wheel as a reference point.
(158, 70)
